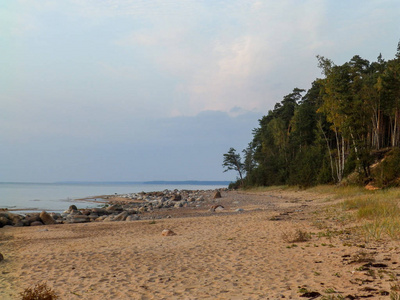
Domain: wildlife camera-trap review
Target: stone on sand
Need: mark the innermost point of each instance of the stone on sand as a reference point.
(167, 232)
(217, 208)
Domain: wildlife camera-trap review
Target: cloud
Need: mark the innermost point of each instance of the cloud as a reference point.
(230, 62)
(145, 84)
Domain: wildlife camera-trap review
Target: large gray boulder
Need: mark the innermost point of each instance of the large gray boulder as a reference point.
(46, 218)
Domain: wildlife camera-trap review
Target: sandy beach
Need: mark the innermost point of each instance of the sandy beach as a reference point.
(228, 254)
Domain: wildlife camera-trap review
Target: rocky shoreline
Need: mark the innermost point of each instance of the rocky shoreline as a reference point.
(125, 207)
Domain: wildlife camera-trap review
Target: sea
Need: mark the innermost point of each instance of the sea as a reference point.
(57, 197)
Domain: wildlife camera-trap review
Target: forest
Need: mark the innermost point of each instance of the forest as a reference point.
(344, 129)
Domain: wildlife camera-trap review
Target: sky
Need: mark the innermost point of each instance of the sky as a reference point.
(124, 90)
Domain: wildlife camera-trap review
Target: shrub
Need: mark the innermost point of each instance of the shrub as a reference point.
(39, 292)
(296, 237)
(387, 172)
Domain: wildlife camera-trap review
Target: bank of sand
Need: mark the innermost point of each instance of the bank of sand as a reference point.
(222, 255)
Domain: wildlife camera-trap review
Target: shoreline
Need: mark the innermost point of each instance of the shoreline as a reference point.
(219, 254)
(58, 196)
(123, 207)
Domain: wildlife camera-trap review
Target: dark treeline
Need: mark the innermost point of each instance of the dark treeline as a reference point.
(340, 126)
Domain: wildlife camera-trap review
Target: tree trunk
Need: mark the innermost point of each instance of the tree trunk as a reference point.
(329, 151)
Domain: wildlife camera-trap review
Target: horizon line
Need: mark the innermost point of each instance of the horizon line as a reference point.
(124, 182)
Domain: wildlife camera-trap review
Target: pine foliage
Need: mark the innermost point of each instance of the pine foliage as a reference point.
(330, 131)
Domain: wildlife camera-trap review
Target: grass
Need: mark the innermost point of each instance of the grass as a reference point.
(296, 237)
(380, 214)
(394, 295)
(39, 291)
(337, 192)
(377, 211)
(260, 189)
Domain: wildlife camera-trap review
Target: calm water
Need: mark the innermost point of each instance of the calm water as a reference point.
(58, 197)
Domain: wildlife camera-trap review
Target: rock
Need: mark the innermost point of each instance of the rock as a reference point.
(86, 212)
(178, 204)
(18, 224)
(176, 197)
(29, 219)
(77, 219)
(114, 208)
(4, 221)
(201, 198)
(15, 219)
(46, 218)
(110, 218)
(239, 210)
(216, 208)
(1, 257)
(167, 232)
(99, 211)
(219, 208)
(72, 207)
(132, 218)
(55, 216)
(71, 212)
(217, 195)
(311, 295)
(121, 217)
(36, 223)
(93, 216)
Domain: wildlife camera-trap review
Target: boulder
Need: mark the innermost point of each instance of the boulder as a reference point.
(93, 216)
(85, 212)
(72, 207)
(201, 198)
(109, 218)
(29, 219)
(114, 208)
(217, 195)
(4, 221)
(36, 223)
(216, 208)
(71, 212)
(176, 197)
(46, 218)
(132, 218)
(77, 219)
(178, 204)
(55, 216)
(121, 217)
(16, 220)
(100, 211)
